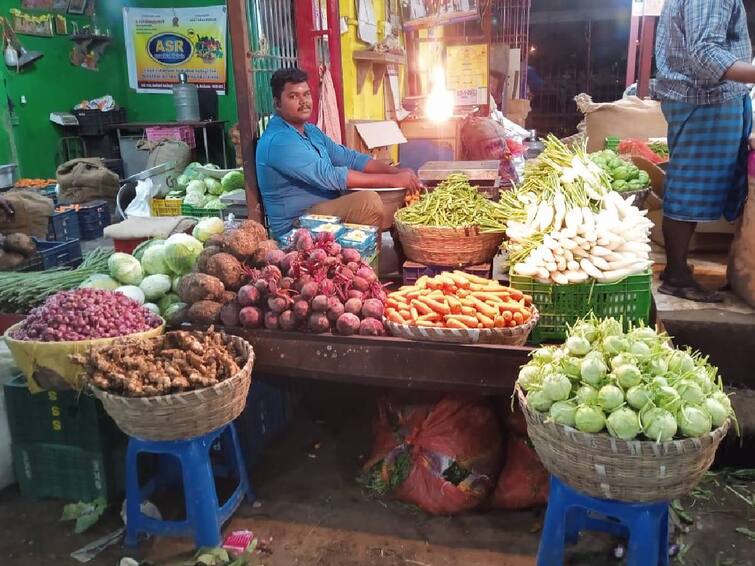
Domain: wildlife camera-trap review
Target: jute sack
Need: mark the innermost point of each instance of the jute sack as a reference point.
(86, 179)
(166, 151)
(742, 256)
(628, 118)
(32, 215)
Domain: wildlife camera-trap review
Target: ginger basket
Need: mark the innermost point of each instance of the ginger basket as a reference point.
(184, 415)
(610, 468)
(435, 245)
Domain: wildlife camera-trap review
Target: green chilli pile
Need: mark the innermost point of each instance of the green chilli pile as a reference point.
(632, 385)
(454, 203)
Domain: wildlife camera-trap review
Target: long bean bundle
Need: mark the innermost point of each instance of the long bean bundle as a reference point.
(21, 291)
(454, 204)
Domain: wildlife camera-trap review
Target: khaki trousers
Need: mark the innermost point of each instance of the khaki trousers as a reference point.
(357, 207)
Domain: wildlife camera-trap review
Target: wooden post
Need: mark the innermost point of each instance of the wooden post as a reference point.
(336, 68)
(647, 50)
(242, 70)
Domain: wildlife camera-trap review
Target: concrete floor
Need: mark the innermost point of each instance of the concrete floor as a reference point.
(311, 512)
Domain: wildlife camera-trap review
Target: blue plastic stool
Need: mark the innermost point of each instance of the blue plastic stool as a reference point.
(204, 515)
(570, 512)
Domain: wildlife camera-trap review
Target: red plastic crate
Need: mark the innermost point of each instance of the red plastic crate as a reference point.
(127, 246)
(413, 270)
(180, 133)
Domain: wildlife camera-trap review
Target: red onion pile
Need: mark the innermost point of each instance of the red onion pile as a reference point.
(316, 286)
(85, 314)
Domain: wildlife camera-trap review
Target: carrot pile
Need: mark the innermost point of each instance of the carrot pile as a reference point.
(458, 300)
(34, 183)
(67, 207)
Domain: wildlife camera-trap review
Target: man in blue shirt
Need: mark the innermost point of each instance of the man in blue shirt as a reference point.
(703, 55)
(300, 170)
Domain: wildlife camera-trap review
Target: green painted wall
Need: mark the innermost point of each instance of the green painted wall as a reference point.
(53, 84)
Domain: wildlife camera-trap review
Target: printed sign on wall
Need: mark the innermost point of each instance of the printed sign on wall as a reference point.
(162, 43)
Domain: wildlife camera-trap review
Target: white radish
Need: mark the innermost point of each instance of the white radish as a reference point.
(546, 254)
(561, 263)
(576, 276)
(599, 262)
(526, 269)
(572, 265)
(544, 217)
(635, 247)
(551, 266)
(588, 218)
(590, 269)
(560, 278)
(600, 251)
(559, 207)
(543, 273)
(568, 243)
(568, 255)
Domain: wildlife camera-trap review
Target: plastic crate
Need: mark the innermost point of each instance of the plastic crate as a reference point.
(67, 472)
(612, 143)
(187, 210)
(268, 411)
(94, 216)
(127, 246)
(181, 133)
(165, 206)
(96, 122)
(63, 226)
(59, 417)
(561, 305)
(53, 254)
(413, 270)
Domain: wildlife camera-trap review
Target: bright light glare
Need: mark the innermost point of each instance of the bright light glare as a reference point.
(439, 105)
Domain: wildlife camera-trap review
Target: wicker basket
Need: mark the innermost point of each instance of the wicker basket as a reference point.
(434, 245)
(183, 415)
(634, 471)
(516, 336)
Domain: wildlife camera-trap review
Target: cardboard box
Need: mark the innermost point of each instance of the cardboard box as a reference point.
(375, 138)
(517, 110)
(628, 118)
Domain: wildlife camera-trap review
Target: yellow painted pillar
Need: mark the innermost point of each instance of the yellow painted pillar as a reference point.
(364, 105)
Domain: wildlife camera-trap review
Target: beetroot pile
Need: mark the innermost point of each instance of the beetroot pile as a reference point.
(315, 286)
(85, 314)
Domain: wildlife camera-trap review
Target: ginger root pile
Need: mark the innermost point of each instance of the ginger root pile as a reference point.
(173, 363)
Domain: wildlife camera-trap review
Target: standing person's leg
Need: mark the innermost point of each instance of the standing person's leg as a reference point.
(677, 236)
(702, 183)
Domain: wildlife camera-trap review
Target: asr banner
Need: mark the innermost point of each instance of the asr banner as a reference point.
(162, 43)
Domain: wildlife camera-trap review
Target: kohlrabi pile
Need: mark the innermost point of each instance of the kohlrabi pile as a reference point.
(150, 276)
(629, 384)
(200, 190)
(567, 226)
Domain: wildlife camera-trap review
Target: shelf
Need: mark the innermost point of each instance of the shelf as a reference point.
(377, 62)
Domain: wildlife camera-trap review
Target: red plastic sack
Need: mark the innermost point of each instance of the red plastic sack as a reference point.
(485, 139)
(641, 149)
(460, 431)
(523, 482)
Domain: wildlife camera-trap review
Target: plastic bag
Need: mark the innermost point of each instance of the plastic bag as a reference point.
(442, 457)
(145, 192)
(523, 482)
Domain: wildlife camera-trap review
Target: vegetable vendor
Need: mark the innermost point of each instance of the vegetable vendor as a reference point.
(300, 170)
(703, 55)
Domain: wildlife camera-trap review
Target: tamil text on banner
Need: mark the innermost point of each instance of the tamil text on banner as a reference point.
(162, 43)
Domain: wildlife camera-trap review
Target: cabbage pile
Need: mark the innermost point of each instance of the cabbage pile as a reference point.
(203, 191)
(632, 384)
(150, 276)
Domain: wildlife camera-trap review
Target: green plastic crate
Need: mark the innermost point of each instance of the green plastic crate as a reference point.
(188, 210)
(53, 471)
(612, 143)
(561, 305)
(66, 418)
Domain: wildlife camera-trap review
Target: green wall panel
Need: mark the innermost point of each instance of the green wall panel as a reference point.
(53, 84)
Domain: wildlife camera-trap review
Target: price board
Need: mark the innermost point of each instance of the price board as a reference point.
(467, 73)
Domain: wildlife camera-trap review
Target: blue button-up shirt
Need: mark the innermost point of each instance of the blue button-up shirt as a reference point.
(296, 171)
(697, 42)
